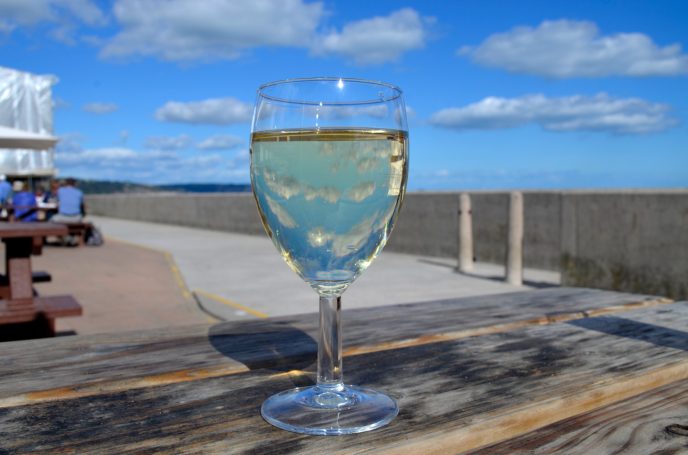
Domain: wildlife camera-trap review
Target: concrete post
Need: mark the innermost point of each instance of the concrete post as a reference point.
(465, 233)
(514, 256)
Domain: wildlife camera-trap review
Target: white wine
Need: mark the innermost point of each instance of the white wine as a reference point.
(328, 198)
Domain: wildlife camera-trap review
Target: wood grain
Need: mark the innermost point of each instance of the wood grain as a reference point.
(653, 422)
(454, 395)
(19, 229)
(82, 366)
(13, 311)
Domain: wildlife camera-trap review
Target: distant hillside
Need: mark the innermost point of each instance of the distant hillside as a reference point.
(108, 187)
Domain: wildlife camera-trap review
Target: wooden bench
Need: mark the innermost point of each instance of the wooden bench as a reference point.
(20, 321)
(40, 276)
(34, 316)
(80, 230)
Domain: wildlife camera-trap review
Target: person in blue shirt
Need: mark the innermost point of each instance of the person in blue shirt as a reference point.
(24, 203)
(70, 201)
(5, 190)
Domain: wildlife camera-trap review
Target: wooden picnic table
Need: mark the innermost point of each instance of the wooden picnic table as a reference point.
(556, 370)
(19, 304)
(42, 210)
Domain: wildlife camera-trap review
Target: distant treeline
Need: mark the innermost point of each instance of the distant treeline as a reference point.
(108, 187)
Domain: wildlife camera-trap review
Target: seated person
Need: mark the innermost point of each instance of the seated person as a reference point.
(70, 201)
(40, 195)
(51, 195)
(5, 190)
(24, 203)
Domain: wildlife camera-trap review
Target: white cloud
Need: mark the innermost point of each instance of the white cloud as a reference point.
(241, 159)
(59, 103)
(182, 141)
(6, 27)
(565, 48)
(377, 40)
(220, 142)
(189, 30)
(214, 111)
(155, 166)
(113, 156)
(123, 137)
(64, 14)
(573, 113)
(85, 10)
(27, 13)
(69, 143)
(179, 30)
(508, 179)
(100, 108)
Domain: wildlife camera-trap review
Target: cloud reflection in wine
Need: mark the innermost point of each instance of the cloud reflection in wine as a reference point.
(361, 191)
(282, 216)
(326, 193)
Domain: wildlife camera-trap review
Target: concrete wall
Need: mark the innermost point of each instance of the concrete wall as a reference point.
(541, 228)
(233, 212)
(632, 241)
(429, 223)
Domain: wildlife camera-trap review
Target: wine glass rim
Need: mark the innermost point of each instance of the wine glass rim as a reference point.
(396, 91)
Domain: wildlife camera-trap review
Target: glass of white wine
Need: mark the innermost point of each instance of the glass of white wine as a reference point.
(329, 160)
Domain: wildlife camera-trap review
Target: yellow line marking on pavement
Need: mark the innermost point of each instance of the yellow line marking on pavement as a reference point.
(235, 305)
(177, 276)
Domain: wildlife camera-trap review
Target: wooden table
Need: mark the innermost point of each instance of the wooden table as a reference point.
(19, 304)
(551, 371)
(42, 210)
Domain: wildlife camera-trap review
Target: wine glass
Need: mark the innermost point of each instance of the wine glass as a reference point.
(329, 160)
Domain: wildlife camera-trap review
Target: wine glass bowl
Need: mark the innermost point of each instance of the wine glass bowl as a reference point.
(329, 160)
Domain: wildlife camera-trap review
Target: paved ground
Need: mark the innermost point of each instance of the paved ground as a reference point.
(120, 287)
(240, 276)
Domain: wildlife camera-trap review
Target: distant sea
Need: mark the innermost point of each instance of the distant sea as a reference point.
(207, 187)
(111, 187)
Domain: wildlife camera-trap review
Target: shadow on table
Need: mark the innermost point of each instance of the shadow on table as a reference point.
(273, 346)
(628, 328)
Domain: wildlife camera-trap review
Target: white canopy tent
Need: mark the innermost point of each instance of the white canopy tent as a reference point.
(26, 124)
(13, 138)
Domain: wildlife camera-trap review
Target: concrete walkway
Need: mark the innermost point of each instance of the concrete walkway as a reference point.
(237, 276)
(120, 287)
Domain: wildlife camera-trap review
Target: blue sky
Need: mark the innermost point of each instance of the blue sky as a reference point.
(502, 94)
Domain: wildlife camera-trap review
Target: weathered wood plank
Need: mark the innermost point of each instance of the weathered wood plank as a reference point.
(454, 395)
(82, 366)
(16, 230)
(653, 422)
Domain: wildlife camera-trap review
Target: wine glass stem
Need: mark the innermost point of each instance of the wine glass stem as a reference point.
(330, 343)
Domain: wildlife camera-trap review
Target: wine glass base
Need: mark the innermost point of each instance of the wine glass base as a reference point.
(336, 410)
